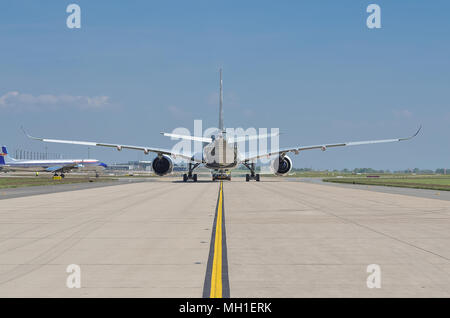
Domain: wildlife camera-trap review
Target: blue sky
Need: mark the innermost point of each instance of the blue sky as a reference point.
(311, 68)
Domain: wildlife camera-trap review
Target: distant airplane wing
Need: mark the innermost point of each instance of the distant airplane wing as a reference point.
(63, 168)
(119, 147)
(324, 147)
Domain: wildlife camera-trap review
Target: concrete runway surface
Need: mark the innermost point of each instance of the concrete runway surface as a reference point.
(423, 193)
(283, 239)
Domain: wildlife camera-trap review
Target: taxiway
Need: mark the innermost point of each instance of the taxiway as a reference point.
(282, 239)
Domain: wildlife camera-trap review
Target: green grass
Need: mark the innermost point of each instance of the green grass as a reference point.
(315, 174)
(418, 182)
(17, 182)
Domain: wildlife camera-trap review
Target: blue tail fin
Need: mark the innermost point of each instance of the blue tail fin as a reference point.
(2, 155)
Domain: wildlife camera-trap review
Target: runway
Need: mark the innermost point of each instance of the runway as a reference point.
(8, 193)
(282, 239)
(423, 193)
(38, 190)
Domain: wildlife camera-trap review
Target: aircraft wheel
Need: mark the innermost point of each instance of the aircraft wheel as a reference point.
(62, 175)
(257, 177)
(185, 177)
(247, 177)
(194, 177)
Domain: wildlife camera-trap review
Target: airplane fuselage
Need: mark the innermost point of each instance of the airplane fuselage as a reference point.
(220, 155)
(46, 165)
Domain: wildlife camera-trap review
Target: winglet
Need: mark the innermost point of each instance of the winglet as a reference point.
(24, 132)
(411, 137)
(28, 135)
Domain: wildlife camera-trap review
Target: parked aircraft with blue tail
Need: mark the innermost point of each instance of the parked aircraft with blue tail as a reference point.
(55, 166)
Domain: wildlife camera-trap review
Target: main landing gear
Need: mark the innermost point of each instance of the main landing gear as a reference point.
(190, 175)
(252, 175)
(62, 175)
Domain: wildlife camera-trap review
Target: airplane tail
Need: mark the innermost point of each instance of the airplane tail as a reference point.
(221, 104)
(3, 154)
(221, 128)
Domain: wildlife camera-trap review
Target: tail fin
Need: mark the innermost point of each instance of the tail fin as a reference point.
(221, 104)
(3, 154)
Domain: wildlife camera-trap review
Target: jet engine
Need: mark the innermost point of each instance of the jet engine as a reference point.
(281, 165)
(162, 165)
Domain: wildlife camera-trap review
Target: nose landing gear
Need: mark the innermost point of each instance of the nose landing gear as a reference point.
(221, 176)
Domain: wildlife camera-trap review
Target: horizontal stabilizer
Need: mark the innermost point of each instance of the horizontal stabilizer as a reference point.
(251, 137)
(194, 138)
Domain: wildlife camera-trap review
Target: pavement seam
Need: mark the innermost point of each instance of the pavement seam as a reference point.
(342, 218)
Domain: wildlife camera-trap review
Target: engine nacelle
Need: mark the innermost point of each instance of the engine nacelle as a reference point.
(162, 166)
(281, 166)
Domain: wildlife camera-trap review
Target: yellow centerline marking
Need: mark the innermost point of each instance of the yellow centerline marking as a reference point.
(216, 277)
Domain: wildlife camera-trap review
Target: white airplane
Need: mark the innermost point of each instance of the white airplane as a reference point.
(55, 166)
(220, 153)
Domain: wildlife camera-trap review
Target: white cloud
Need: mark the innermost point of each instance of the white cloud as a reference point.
(20, 101)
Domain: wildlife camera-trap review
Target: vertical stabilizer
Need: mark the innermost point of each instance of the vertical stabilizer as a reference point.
(221, 104)
(3, 154)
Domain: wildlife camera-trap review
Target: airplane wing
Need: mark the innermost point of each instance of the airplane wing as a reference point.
(119, 147)
(64, 168)
(324, 147)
